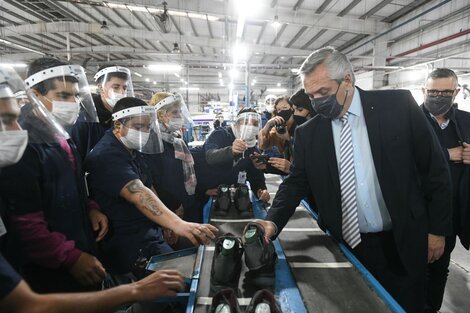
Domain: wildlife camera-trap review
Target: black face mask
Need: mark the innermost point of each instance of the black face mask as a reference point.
(299, 120)
(285, 114)
(328, 106)
(438, 105)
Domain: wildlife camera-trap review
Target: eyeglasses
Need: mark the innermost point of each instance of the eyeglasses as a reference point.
(445, 93)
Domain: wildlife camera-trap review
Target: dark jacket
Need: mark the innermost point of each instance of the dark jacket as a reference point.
(461, 121)
(411, 169)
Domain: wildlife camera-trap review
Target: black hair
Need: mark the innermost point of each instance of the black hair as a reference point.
(126, 103)
(120, 75)
(247, 110)
(300, 99)
(443, 73)
(43, 64)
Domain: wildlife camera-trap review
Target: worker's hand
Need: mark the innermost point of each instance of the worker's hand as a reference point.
(258, 165)
(99, 222)
(277, 120)
(211, 192)
(163, 283)
(263, 195)
(238, 147)
(269, 229)
(466, 153)
(88, 270)
(280, 164)
(196, 233)
(455, 154)
(436, 246)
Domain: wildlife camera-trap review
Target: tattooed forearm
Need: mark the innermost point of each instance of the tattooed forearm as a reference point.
(149, 203)
(135, 186)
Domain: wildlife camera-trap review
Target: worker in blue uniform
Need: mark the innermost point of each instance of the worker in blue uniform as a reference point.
(225, 157)
(174, 173)
(44, 193)
(113, 83)
(121, 183)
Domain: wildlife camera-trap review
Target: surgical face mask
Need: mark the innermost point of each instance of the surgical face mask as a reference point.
(285, 114)
(299, 120)
(12, 146)
(270, 108)
(248, 134)
(438, 105)
(175, 124)
(328, 106)
(66, 112)
(135, 139)
(114, 97)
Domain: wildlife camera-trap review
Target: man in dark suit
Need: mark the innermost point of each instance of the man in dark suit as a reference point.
(452, 127)
(377, 173)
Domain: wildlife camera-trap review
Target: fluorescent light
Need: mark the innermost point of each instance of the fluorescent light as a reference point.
(177, 75)
(279, 84)
(276, 90)
(220, 75)
(254, 81)
(276, 24)
(194, 15)
(182, 80)
(294, 70)
(21, 47)
(164, 67)
(147, 80)
(240, 26)
(154, 82)
(221, 82)
(138, 74)
(13, 64)
(189, 88)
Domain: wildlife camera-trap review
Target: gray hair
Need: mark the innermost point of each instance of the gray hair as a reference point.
(443, 73)
(336, 63)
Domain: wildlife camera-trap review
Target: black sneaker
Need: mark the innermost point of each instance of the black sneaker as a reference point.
(260, 256)
(226, 263)
(263, 302)
(223, 201)
(242, 200)
(225, 301)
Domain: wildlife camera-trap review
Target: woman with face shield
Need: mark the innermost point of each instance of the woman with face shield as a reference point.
(174, 172)
(113, 83)
(225, 156)
(121, 182)
(51, 219)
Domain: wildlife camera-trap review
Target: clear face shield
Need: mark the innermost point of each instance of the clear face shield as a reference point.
(173, 114)
(139, 129)
(114, 83)
(64, 90)
(246, 127)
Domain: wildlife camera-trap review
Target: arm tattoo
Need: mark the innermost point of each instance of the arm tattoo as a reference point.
(146, 199)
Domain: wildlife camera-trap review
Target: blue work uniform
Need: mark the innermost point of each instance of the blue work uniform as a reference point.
(9, 278)
(168, 178)
(111, 166)
(87, 134)
(226, 169)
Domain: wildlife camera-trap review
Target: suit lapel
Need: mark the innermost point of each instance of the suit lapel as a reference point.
(371, 116)
(325, 136)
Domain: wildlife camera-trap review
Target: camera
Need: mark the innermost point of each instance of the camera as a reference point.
(281, 129)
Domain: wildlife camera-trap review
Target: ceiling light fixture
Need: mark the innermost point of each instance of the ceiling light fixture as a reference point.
(275, 23)
(176, 48)
(138, 74)
(104, 25)
(13, 64)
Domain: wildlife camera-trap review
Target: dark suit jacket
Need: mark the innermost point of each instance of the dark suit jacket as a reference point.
(410, 166)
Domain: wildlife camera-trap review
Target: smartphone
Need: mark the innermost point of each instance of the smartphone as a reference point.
(260, 158)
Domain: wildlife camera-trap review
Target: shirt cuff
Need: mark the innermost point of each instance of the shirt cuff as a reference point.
(91, 204)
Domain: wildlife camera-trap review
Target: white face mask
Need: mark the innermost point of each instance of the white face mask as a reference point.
(114, 98)
(12, 146)
(135, 139)
(176, 123)
(270, 108)
(248, 134)
(66, 112)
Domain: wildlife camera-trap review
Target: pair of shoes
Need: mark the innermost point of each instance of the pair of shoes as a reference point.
(260, 258)
(241, 200)
(225, 301)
